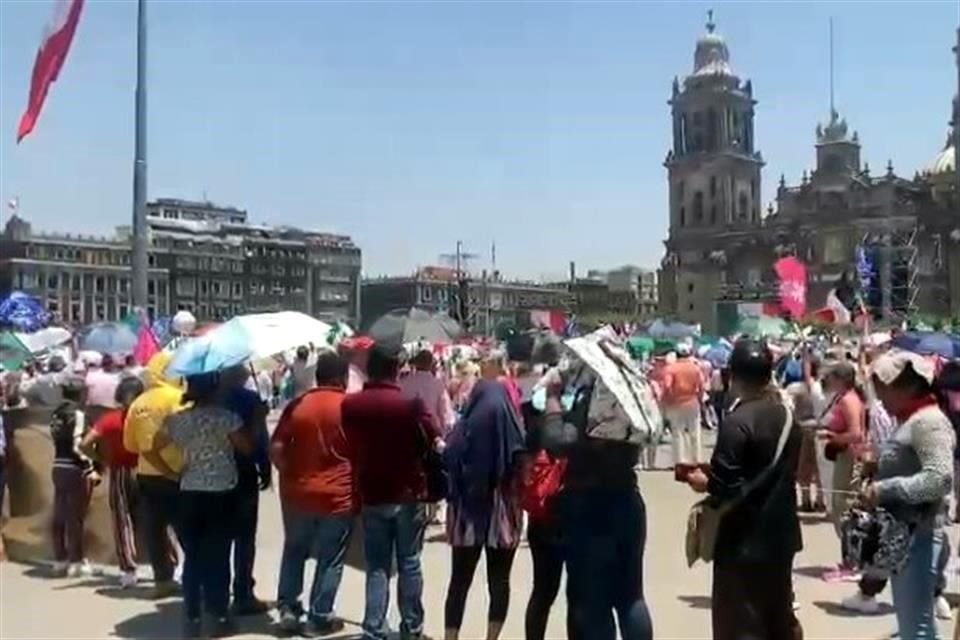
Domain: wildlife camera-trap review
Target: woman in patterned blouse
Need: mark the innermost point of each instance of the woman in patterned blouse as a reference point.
(208, 434)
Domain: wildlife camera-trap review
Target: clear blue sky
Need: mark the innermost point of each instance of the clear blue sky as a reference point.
(542, 126)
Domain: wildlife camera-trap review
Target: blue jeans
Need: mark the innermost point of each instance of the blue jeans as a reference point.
(604, 533)
(393, 530)
(303, 535)
(913, 587)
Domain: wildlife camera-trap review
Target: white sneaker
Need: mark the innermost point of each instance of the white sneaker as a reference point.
(73, 571)
(128, 579)
(87, 570)
(60, 569)
(860, 603)
(942, 607)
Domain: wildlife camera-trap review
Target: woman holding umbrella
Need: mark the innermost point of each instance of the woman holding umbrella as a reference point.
(208, 434)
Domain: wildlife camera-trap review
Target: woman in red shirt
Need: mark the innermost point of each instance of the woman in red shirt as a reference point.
(105, 443)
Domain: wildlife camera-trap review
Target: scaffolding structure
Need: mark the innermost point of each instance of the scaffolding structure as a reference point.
(894, 283)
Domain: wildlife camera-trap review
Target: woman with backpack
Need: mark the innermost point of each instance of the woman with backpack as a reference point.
(483, 513)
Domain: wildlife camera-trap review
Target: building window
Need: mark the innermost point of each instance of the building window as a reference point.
(698, 206)
(75, 312)
(683, 216)
(713, 214)
(833, 249)
(100, 311)
(99, 287)
(743, 205)
(123, 311)
(690, 307)
(689, 287)
(52, 282)
(75, 283)
(426, 294)
(713, 186)
(151, 288)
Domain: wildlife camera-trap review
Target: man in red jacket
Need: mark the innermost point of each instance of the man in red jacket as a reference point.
(387, 434)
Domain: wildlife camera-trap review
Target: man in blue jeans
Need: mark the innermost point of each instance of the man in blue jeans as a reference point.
(388, 435)
(316, 493)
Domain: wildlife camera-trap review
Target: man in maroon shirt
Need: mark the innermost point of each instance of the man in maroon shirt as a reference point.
(386, 436)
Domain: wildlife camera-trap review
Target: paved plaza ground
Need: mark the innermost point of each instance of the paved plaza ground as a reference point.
(35, 606)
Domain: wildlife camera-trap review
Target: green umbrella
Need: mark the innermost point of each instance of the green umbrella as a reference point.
(13, 353)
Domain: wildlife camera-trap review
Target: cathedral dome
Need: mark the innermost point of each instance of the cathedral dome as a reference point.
(711, 56)
(945, 162)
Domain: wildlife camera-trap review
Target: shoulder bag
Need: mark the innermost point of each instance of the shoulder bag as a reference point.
(704, 518)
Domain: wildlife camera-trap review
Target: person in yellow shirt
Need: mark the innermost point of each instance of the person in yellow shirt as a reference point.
(158, 468)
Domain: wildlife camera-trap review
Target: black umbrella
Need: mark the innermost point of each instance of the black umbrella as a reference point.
(403, 326)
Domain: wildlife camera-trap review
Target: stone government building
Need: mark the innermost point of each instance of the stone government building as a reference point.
(205, 258)
(722, 245)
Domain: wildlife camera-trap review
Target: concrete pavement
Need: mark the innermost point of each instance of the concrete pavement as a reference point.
(35, 606)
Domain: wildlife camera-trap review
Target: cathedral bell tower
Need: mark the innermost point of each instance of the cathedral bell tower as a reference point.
(713, 171)
(713, 167)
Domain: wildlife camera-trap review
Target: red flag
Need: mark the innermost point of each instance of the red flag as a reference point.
(50, 58)
(793, 285)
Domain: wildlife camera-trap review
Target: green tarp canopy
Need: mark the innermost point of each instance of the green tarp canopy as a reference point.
(764, 327)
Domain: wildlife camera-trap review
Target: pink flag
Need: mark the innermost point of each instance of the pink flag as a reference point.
(50, 58)
(146, 347)
(793, 285)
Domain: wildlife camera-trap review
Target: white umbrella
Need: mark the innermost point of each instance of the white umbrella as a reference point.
(44, 339)
(245, 338)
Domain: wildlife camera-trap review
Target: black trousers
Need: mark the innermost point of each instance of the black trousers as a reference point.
(246, 504)
(604, 536)
(465, 559)
(753, 601)
(546, 549)
(160, 501)
(205, 519)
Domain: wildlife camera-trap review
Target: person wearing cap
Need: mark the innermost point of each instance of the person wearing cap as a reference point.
(913, 481)
(682, 391)
(759, 536)
(387, 434)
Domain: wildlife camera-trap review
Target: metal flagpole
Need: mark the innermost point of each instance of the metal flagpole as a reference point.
(140, 260)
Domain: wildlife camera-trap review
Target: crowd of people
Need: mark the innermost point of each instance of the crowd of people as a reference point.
(498, 449)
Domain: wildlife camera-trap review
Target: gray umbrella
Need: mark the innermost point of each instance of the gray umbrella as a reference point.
(410, 325)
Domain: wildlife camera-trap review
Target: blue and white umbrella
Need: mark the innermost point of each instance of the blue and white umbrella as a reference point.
(108, 337)
(246, 338)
